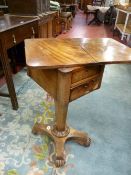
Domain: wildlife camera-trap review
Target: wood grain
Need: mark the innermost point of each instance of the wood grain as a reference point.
(107, 51)
(60, 53)
(11, 21)
(54, 53)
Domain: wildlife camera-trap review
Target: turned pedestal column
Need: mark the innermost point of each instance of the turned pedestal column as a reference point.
(65, 85)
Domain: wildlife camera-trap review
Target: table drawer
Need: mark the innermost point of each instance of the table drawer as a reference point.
(84, 72)
(20, 33)
(88, 86)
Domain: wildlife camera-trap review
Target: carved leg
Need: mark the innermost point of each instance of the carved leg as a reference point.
(79, 137)
(42, 129)
(60, 132)
(59, 142)
(60, 155)
(74, 135)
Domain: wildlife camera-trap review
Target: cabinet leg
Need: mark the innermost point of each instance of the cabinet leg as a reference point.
(8, 77)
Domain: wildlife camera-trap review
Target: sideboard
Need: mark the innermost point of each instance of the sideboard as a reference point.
(13, 30)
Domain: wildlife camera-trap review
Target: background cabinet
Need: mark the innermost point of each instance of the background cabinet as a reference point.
(123, 23)
(28, 7)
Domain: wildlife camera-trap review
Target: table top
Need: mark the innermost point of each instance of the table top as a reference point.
(60, 53)
(8, 22)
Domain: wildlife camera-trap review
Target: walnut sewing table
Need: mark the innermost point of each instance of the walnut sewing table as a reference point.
(68, 69)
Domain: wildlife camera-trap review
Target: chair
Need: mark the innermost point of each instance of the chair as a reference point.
(98, 12)
(89, 12)
(66, 20)
(69, 8)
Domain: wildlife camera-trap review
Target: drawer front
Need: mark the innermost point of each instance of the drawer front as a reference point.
(85, 72)
(85, 88)
(20, 33)
(24, 32)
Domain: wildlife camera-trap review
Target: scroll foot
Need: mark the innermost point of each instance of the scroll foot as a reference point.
(60, 161)
(60, 138)
(79, 137)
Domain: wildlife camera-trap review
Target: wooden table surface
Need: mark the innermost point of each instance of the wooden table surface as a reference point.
(60, 53)
(8, 22)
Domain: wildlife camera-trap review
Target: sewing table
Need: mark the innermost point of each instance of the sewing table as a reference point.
(68, 69)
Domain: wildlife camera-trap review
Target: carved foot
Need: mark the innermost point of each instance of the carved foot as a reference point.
(79, 137)
(42, 129)
(60, 156)
(60, 161)
(84, 142)
(60, 138)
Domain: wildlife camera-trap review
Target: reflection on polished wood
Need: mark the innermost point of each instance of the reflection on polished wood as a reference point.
(68, 69)
(55, 53)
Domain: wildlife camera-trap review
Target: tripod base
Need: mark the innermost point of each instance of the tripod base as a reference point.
(70, 134)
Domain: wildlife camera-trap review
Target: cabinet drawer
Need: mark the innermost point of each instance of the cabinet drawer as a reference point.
(23, 32)
(85, 88)
(20, 33)
(84, 72)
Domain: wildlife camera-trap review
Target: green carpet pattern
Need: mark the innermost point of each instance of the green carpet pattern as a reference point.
(22, 153)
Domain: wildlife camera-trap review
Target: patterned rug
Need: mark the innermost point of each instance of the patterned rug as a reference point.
(105, 114)
(22, 153)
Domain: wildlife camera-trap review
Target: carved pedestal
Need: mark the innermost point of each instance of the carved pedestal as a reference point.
(65, 85)
(60, 137)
